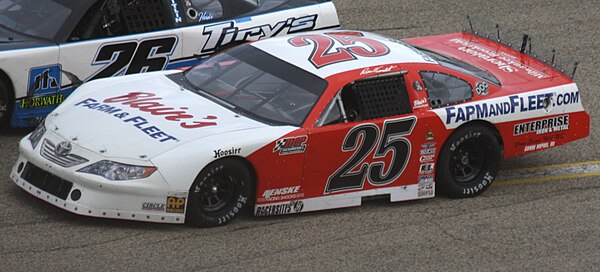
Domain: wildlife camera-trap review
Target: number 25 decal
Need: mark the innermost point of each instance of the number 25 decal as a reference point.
(134, 57)
(361, 140)
(321, 55)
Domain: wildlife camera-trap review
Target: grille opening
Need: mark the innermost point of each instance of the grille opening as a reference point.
(46, 181)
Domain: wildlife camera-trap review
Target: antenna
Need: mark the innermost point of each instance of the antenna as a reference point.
(498, 32)
(574, 70)
(553, 55)
(470, 24)
(524, 44)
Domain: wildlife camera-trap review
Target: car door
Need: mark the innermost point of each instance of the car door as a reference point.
(364, 141)
(122, 37)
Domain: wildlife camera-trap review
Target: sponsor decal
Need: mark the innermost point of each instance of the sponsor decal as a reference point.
(148, 102)
(222, 34)
(241, 201)
(293, 145)
(429, 136)
(426, 158)
(44, 80)
(148, 206)
(281, 194)
(175, 204)
(426, 178)
(548, 125)
(487, 179)
(228, 152)
(137, 121)
(294, 206)
(420, 103)
(508, 105)
(176, 12)
(482, 88)
(428, 145)
(469, 135)
(504, 61)
(426, 168)
(428, 151)
(425, 186)
(540, 146)
(378, 70)
(42, 101)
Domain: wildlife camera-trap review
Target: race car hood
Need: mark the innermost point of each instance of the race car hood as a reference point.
(140, 116)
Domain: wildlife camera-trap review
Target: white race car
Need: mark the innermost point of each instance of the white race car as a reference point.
(305, 122)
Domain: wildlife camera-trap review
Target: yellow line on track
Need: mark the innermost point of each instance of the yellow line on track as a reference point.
(546, 178)
(552, 166)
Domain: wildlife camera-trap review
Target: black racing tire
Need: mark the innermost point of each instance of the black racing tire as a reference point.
(221, 191)
(468, 162)
(6, 104)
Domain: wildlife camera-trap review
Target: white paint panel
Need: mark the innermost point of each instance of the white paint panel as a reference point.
(299, 56)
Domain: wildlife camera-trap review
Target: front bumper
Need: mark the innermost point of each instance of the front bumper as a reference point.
(149, 199)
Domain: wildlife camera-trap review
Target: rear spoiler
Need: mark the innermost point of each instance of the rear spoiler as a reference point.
(522, 43)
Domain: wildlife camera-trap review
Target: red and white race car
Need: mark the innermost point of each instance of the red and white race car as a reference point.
(300, 123)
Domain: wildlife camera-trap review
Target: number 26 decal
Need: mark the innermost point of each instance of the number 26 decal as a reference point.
(361, 140)
(134, 57)
(323, 44)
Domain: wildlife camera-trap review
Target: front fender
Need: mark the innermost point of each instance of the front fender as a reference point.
(181, 165)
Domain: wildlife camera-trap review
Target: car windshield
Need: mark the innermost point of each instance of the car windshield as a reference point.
(462, 66)
(40, 18)
(258, 84)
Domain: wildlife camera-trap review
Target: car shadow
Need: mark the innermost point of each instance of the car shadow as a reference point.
(4, 131)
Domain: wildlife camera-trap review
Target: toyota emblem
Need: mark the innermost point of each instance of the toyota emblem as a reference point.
(63, 149)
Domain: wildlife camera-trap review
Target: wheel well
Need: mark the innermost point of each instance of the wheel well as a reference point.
(485, 124)
(6, 80)
(247, 164)
(7, 83)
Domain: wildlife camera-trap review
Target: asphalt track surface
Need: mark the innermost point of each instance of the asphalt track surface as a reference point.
(526, 226)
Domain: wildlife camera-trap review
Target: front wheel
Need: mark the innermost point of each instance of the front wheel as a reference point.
(219, 193)
(468, 162)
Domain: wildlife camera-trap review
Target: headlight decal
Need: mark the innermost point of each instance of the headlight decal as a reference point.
(118, 171)
(37, 134)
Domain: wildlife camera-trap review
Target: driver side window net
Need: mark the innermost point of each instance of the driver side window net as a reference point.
(121, 17)
(444, 89)
(369, 99)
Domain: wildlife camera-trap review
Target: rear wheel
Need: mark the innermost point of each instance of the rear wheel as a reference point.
(6, 102)
(468, 162)
(219, 193)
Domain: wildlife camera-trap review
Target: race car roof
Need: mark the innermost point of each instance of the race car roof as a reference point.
(325, 53)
